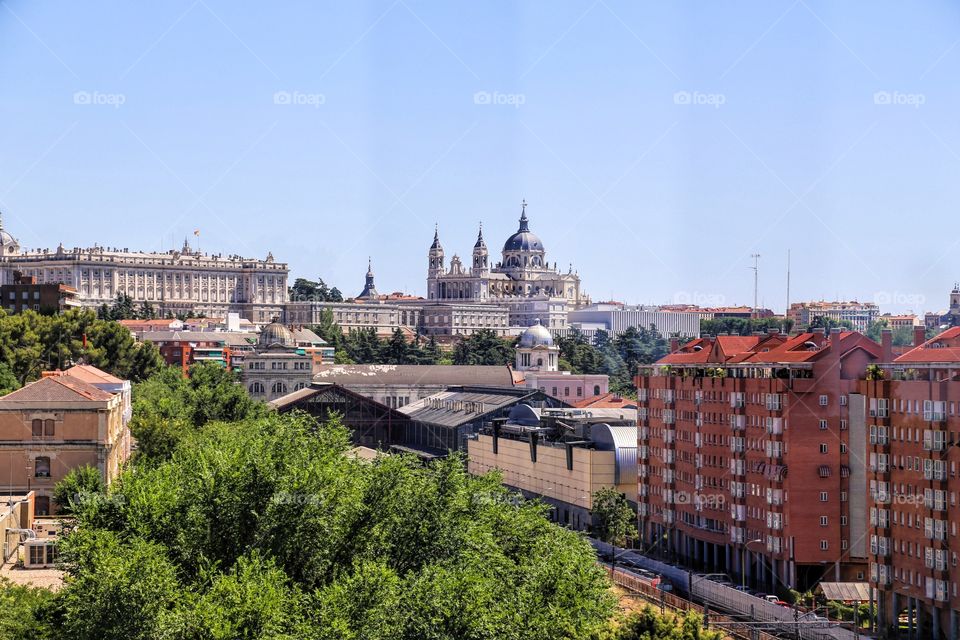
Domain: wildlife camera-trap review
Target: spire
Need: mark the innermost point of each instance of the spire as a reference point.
(369, 289)
(480, 242)
(1, 220)
(436, 237)
(524, 226)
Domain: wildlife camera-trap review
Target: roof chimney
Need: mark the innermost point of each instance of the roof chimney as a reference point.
(886, 345)
(773, 331)
(919, 335)
(817, 331)
(674, 345)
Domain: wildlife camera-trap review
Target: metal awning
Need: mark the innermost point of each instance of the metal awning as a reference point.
(846, 591)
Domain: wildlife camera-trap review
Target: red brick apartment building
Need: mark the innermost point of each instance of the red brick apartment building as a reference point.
(913, 422)
(748, 463)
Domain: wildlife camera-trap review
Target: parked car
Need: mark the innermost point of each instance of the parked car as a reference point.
(775, 600)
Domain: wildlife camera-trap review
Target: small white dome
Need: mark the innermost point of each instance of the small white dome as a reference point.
(536, 336)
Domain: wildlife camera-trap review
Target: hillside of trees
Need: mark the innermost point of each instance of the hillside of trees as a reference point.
(31, 343)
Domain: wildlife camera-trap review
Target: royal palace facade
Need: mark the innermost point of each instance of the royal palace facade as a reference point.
(172, 282)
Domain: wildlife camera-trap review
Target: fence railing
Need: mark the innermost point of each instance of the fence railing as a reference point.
(665, 600)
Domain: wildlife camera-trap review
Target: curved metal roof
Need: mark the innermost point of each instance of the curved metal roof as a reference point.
(623, 442)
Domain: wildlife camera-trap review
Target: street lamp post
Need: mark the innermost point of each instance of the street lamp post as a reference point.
(743, 560)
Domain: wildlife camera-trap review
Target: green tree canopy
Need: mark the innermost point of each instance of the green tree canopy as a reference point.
(743, 326)
(902, 336)
(613, 521)
(168, 406)
(80, 484)
(484, 347)
(266, 529)
(31, 343)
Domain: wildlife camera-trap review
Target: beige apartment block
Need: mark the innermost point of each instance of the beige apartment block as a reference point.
(54, 425)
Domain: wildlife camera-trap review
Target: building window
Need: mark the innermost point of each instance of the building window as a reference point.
(823, 447)
(596, 389)
(48, 426)
(279, 387)
(823, 400)
(257, 388)
(824, 545)
(823, 425)
(37, 426)
(41, 467)
(823, 521)
(41, 505)
(823, 496)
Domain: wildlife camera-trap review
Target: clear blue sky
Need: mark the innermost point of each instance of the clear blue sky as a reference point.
(659, 144)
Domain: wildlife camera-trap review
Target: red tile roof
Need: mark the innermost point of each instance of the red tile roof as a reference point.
(89, 373)
(944, 347)
(57, 389)
(769, 348)
(606, 401)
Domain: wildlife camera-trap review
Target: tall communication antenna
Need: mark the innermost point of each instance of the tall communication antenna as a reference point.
(756, 273)
(788, 284)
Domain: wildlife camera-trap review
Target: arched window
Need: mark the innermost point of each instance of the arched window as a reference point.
(257, 388)
(278, 387)
(300, 385)
(596, 389)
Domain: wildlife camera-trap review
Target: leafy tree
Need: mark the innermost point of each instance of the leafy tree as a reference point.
(79, 485)
(265, 529)
(827, 324)
(744, 326)
(22, 609)
(397, 350)
(8, 381)
(649, 625)
(123, 308)
(902, 336)
(328, 329)
(31, 343)
(168, 406)
(146, 311)
(484, 347)
(431, 353)
(613, 521)
(303, 289)
(363, 346)
(318, 291)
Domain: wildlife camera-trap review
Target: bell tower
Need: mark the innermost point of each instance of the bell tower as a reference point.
(435, 270)
(481, 258)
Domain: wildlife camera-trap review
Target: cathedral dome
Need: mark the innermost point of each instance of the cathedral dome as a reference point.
(536, 336)
(523, 239)
(276, 334)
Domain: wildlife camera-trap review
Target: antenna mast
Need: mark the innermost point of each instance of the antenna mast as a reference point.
(756, 272)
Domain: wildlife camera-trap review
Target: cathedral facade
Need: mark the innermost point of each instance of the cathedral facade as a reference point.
(522, 280)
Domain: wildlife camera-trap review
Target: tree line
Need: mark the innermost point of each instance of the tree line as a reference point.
(618, 357)
(31, 343)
